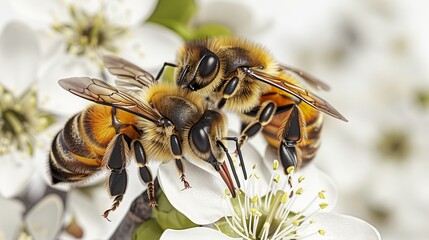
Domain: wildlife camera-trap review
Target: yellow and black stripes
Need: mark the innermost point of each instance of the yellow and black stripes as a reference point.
(78, 149)
(70, 157)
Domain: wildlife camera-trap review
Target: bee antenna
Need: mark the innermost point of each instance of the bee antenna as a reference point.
(183, 74)
(240, 156)
(230, 162)
(162, 69)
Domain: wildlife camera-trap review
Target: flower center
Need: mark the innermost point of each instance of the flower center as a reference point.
(20, 120)
(394, 144)
(422, 98)
(271, 216)
(89, 35)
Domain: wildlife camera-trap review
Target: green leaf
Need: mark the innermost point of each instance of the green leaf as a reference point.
(149, 230)
(176, 15)
(178, 11)
(183, 30)
(211, 30)
(168, 217)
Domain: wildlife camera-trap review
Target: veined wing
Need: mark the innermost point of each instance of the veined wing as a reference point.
(304, 95)
(129, 75)
(99, 91)
(307, 77)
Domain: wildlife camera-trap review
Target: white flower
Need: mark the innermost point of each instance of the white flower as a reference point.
(21, 118)
(10, 226)
(76, 34)
(285, 209)
(43, 221)
(87, 204)
(372, 54)
(245, 18)
(266, 196)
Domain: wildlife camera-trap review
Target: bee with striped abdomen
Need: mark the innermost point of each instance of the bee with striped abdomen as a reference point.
(139, 119)
(243, 77)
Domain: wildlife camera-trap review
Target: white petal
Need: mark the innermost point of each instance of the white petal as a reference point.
(89, 205)
(339, 227)
(314, 182)
(54, 98)
(40, 13)
(15, 172)
(8, 14)
(19, 56)
(10, 225)
(44, 220)
(194, 233)
(252, 16)
(129, 12)
(205, 192)
(150, 45)
(207, 185)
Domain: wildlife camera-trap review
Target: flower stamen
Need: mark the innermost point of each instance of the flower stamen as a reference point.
(271, 217)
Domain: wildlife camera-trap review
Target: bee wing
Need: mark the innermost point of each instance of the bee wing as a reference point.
(304, 95)
(307, 77)
(99, 91)
(129, 75)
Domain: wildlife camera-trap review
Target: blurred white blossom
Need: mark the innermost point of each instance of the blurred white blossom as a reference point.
(76, 34)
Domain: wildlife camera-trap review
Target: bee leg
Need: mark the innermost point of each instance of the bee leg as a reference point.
(181, 170)
(176, 149)
(263, 117)
(116, 157)
(144, 171)
(228, 91)
(291, 133)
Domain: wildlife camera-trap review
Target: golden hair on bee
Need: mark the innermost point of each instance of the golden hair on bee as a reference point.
(143, 120)
(243, 77)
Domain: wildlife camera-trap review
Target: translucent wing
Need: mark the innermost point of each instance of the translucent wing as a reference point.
(307, 77)
(129, 75)
(304, 95)
(99, 91)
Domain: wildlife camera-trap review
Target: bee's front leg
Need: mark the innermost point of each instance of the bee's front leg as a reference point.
(176, 149)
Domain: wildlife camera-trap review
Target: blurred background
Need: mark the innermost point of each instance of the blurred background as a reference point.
(373, 54)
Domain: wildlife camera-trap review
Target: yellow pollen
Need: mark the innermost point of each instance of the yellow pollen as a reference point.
(322, 232)
(300, 179)
(299, 191)
(322, 195)
(277, 178)
(284, 199)
(254, 199)
(227, 192)
(323, 205)
(255, 212)
(290, 169)
(275, 164)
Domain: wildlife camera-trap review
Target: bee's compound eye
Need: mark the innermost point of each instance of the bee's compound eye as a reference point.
(200, 138)
(208, 64)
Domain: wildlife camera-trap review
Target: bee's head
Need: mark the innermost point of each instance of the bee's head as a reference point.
(198, 67)
(205, 138)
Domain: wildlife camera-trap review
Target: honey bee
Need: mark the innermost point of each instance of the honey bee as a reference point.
(244, 78)
(138, 119)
